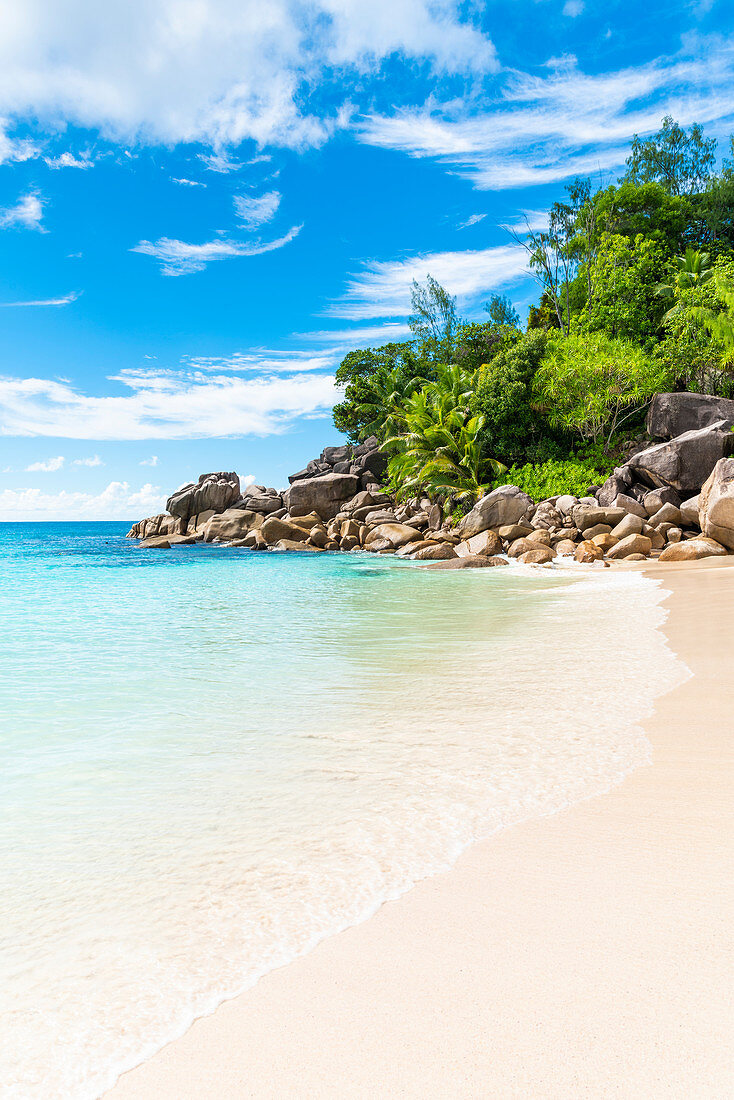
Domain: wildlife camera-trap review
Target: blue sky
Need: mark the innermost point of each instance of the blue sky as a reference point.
(205, 203)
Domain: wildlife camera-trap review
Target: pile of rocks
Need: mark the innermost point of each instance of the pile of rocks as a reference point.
(673, 500)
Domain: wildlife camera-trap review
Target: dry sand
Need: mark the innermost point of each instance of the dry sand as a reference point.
(589, 954)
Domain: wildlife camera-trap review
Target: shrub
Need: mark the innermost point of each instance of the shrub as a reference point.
(504, 399)
(588, 385)
(551, 479)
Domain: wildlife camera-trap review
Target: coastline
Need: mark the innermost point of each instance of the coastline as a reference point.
(586, 953)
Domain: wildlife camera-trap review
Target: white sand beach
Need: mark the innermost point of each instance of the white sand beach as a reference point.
(588, 954)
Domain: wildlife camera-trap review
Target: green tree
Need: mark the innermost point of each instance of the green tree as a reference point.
(589, 384)
(623, 278)
(433, 320)
(362, 374)
(478, 342)
(718, 318)
(439, 450)
(631, 208)
(681, 160)
(502, 312)
(512, 426)
(690, 270)
(699, 343)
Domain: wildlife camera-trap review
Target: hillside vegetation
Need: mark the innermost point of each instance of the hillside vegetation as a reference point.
(636, 296)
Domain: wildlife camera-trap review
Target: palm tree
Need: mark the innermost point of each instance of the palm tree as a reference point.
(693, 270)
(438, 449)
(385, 409)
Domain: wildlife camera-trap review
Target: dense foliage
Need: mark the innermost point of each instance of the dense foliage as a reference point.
(636, 286)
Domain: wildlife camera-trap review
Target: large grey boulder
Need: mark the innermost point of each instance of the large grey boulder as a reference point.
(216, 491)
(672, 414)
(685, 462)
(234, 523)
(693, 549)
(396, 534)
(324, 495)
(716, 504)
(280, 530)
(162, 524)
(503, 506)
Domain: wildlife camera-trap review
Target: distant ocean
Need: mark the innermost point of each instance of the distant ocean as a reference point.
(212, 758)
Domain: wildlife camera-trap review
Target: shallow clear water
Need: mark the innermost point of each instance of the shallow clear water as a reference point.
(213, 758)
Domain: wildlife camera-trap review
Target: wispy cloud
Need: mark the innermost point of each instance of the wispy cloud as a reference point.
(187, 183)
(158, 404)
(182, 258)
(383, 288)
(385, 333)
(529, 221)
(220, 162)
(66, 300)
(50, 466)
(95, 460)
(116, 501)
(15, 149)
(256, 210)
(69, 160)
(573, 8)
(270, 360)
(152, 461)
(544, 128)
(473, 219)
(25, 214)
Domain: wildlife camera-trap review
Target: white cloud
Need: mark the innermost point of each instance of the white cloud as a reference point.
(216, 71)
(15, 149)
(529, 221)
(383, 289)
(370, 335)
(26, 213)
(268, 360)
(187, 183)
(116, 501)
(66, 300)
(158, 404)
(254, 211)
(545, 128)
(572, 8)
(152, 461)
(68, 160)
(48, 467)
(182, 258)
(473, 219)
(95, 460)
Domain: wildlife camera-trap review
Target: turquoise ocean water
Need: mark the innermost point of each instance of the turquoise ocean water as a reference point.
(212, 758)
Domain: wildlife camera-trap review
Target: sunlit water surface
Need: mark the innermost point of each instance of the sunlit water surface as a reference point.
(211, 759)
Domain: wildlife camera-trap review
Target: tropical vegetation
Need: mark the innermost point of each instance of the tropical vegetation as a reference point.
(636, 296)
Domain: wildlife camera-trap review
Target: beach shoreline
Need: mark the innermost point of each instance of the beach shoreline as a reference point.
(583, 954)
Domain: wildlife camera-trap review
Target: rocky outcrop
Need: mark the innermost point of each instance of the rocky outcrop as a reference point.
(716, 503)
(692, 550)
(324, 495)
(467, 563)
(366, 461)
(162, 524)
(234, 523)
(275, 530)
(505, 505)
(212, 491)
(672, 414)
(391, 534)
(685, 462)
